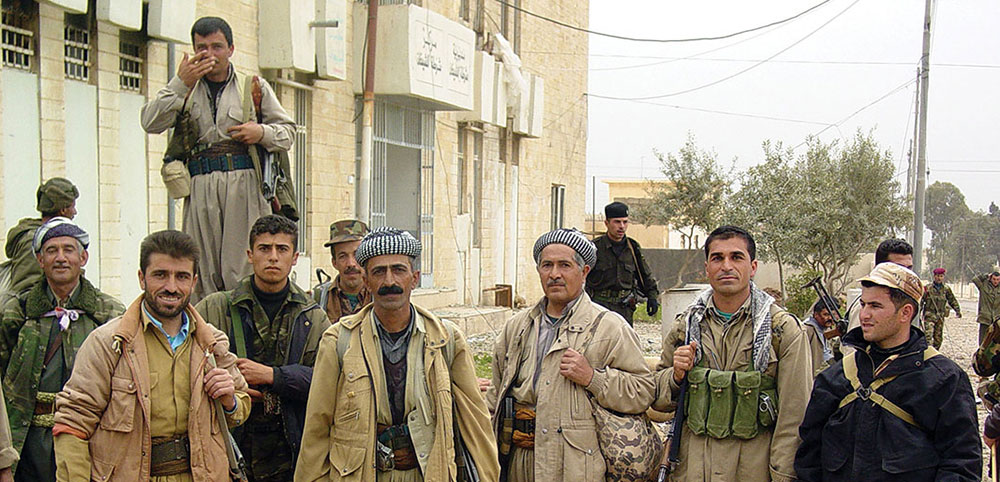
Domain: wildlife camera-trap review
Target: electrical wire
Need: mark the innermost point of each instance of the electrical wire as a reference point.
(729, 113)
(738, 73)
(866, 106)
(634, 39)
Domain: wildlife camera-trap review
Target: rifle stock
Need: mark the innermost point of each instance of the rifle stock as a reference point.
(237, 466)
(671, 454)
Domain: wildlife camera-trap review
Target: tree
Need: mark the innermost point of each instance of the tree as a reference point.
(945, 207)
(692, 198)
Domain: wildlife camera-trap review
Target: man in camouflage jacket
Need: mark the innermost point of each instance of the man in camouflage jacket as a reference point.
(989, 301)
(41, 331)
(937, 298)
(346, 294)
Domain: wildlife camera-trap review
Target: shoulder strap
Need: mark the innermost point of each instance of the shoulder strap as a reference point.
(343, 341)
(239, 340)
(638, 267)
(871, 392)
(256, 94)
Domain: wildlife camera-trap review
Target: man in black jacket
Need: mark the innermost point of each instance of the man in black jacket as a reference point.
(621, 273)
(895, 409)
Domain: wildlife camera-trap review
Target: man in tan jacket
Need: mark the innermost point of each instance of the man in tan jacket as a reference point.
(734, 339)
(225, 189)
(392, 383)
(544, 363)
(140, 403)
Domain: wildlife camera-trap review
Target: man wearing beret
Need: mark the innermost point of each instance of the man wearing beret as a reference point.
(621, 273)
(346, 294)
(895, 409)
(748, 368)
(55, 197)
(41, 332)
(275, 329)
(392, 384)
(551, 359)
(937, 298)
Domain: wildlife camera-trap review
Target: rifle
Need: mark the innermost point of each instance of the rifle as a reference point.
(839, 323)
(237, 465)
(671, 455)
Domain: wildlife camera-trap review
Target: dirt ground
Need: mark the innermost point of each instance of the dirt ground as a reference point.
(960, 343)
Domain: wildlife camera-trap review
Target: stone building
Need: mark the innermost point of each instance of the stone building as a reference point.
(470, 167)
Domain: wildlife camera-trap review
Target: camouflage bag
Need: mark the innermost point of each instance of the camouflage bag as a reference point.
(629, 442)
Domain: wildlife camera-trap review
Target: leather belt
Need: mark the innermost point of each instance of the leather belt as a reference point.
(226, 162)
(170, 456)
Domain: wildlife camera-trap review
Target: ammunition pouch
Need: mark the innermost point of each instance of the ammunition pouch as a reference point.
(724, 404)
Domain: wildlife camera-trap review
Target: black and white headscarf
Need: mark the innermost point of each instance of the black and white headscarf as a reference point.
(58, 227)
(386, 240)
(570, 237)
(760, 313)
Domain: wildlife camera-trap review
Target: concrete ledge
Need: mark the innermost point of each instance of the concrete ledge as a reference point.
(473, 320)
(434, 298)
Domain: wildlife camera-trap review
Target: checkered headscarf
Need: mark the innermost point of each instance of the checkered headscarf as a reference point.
(57, 227)
(386, 240)
(570, 237)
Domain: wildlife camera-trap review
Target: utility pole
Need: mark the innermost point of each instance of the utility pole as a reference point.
(918, 204)
(911, 166)
(367, 115)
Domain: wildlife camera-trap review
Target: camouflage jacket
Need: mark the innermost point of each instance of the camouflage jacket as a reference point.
(617, 273)
(937, 300)
(24, 269)
(328, 296)
(24, 337)
(989, 299)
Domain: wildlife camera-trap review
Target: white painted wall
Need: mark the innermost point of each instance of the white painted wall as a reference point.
(22, 165)
(82, 167)
(134, 196)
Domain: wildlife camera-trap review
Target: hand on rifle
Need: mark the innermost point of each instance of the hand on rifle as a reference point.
(247, 133)
(219, 385)
(684, 360)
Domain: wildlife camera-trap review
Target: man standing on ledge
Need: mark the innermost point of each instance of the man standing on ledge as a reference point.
(225, 191)
(621, 272)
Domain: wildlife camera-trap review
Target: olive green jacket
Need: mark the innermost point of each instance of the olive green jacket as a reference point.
(24, 268)
(989, 299)
(936, 302)
(24, 340)
(620, 272)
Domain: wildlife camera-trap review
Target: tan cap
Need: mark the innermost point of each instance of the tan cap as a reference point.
(346, 230)
(892, 275)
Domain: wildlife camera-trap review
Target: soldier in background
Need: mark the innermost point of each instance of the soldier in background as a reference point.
(346, 294)
(816, 325)
(937, 298)
(55, 197)
(621, 273)
(41, 333)
(989, 301)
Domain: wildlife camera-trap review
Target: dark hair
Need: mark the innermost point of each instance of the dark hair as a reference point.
(727, 232)
(274, 224)
(206, 26)
(830, 301)
(892, 246)
(898, 297)
(172, 243)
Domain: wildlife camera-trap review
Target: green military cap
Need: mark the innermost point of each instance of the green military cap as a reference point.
(346, 230)
(55, 194)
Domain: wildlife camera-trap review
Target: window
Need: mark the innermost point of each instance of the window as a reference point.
(558, 200)
(131, 58)
(301, 148)
(477, 189)
(19, 23)
(76, 47)
(462, 181)
(510, 24)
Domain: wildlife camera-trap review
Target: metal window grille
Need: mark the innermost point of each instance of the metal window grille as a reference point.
(301, 148)
(76, 58)
(18, 39)
(477, 189)
(130, 62)
(558, 201)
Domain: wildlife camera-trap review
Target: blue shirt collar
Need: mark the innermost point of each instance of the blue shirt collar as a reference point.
(177, 340)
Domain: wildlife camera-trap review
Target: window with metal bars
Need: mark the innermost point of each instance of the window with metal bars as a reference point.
(301, 148)
(76, 47)
(131, 60)
(18, 34)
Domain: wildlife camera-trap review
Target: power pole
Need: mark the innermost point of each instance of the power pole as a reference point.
(367, 115)
(911, 166)
(918, 204)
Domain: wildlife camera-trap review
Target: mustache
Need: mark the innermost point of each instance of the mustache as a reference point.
(352, 270)
(390, 290)
(556, 283)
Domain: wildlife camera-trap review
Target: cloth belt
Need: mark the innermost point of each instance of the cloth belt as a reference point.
(226, 162)
(397, 437)
(611, 296)
(45, 409)
(524, 427)
(170, 456)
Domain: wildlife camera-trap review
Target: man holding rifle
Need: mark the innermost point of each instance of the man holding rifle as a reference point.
(748, 369)
(816, 327)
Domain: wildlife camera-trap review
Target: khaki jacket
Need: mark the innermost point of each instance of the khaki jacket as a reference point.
(989, 299)
(106, 401)
(566, 446)
(771, 455)
(338, 442)
(160, 113)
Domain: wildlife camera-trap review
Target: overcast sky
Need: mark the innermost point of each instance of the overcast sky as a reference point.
(840, 58)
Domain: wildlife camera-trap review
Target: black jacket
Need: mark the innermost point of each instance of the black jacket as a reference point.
(864, 442)
(620, 272)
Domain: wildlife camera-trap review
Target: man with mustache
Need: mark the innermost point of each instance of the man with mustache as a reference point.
(40, 336)
(275, 329)
(621, 273)
(393, 383)
(748, 368)
(551, 359)
(142, 402)
(346, 294)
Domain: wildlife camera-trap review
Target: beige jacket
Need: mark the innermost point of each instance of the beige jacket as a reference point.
(160, 113)
(106, 401)
(566, 447)
(338, 442)
(769, 456)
